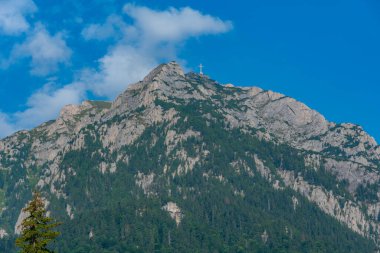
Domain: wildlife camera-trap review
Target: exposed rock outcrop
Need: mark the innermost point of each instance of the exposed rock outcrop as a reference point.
(174, 212)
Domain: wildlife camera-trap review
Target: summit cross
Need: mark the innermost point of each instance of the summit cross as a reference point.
(201, 69)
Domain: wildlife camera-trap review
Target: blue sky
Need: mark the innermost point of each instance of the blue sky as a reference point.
(323, 53)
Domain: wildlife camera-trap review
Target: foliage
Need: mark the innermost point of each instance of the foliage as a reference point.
(37, 228)
(368, 192)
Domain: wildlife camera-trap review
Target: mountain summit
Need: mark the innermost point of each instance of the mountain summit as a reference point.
(181, 163)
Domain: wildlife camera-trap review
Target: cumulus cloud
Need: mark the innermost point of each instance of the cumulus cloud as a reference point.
(153, 36)
(121, 66)
(174, 25)
(45, 104)
(114, 28)
(46, 51)
(6, 127)
(13, 16)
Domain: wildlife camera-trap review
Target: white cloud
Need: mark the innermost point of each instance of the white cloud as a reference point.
(6, 127)
(114, 27)
(154, 36)
(121, 66)
(174, 25)
(12, 16)
(46, 103)
(46, 51)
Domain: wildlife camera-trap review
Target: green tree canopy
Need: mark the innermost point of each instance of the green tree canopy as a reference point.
(37, 229)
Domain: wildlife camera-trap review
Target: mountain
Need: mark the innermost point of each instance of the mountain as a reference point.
(181, 163)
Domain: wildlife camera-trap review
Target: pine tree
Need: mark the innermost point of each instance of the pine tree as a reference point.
(37, 228)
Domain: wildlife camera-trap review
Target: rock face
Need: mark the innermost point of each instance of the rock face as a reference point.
(174, 212)
(157, 130)
(3, 233)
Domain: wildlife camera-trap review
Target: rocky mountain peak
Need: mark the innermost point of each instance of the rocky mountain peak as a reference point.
(166, 80)
(165, 72)
(68, 111)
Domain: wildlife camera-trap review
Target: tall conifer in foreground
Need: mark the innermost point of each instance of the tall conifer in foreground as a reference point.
(37, 228)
